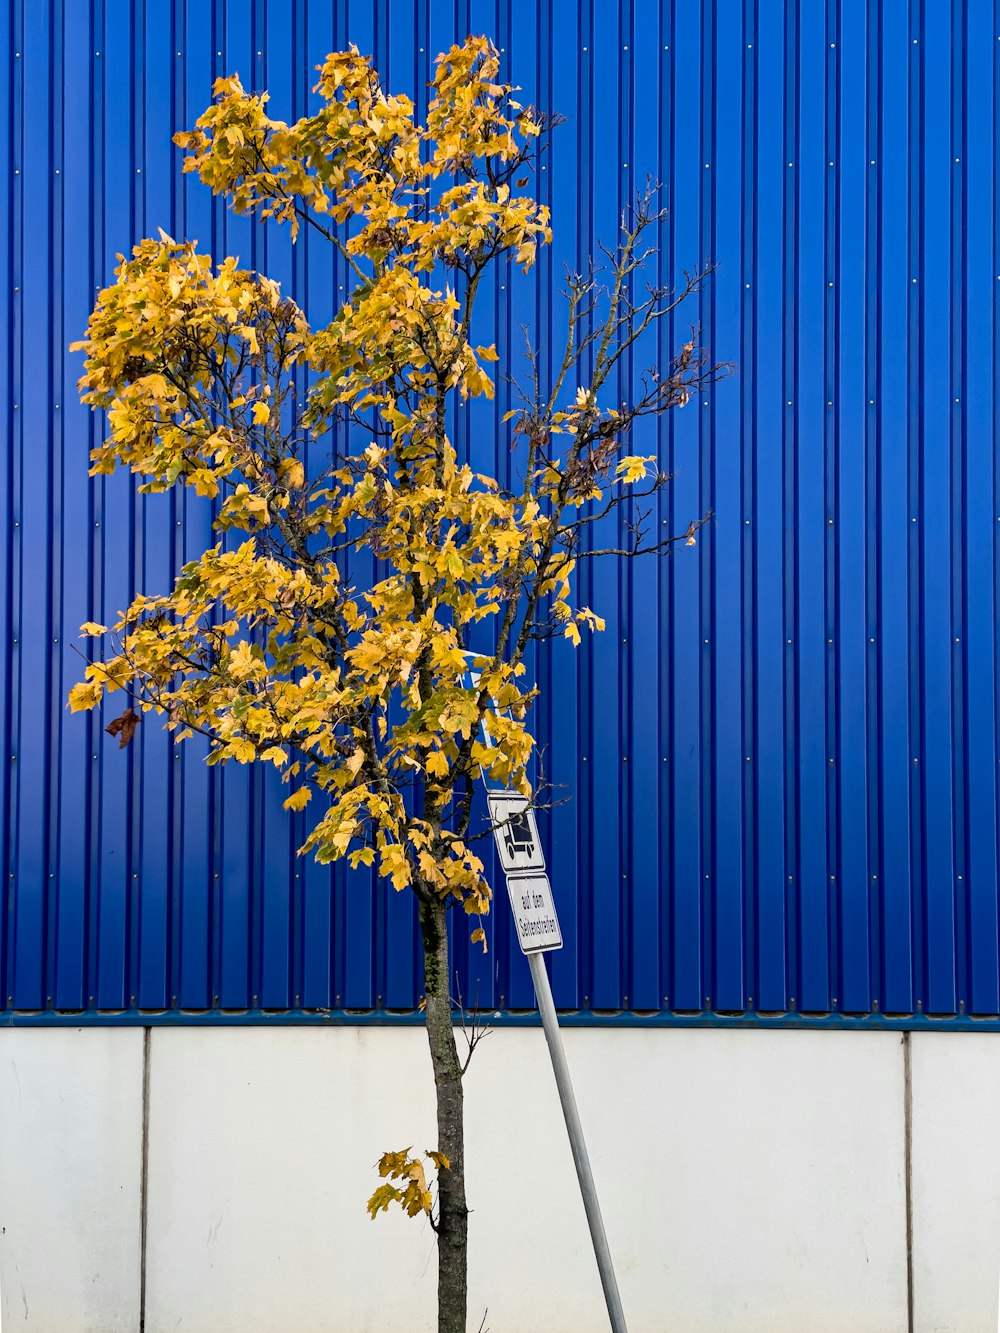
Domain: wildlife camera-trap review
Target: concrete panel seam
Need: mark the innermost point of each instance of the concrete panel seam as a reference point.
(144, 1176)
(908, 1175)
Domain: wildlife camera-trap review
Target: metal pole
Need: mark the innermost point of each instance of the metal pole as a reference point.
(553, 1036)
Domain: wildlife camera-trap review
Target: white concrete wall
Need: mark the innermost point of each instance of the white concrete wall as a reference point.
(70, 1158)
(752, 1182)
(956, 1182)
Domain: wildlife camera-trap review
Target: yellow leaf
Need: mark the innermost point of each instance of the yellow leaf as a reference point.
(291, 472)
(241, 661)
(440, 1160)
(261, 414)
(381, 1199)
(91, 628)
(298, 799)
(204, 483)
(632, 469)
(394, 866)
(84, 695)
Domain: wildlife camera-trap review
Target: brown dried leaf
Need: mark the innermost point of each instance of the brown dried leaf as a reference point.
(124, 727)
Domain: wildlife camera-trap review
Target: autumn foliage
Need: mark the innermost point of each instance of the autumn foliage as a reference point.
(212, 379)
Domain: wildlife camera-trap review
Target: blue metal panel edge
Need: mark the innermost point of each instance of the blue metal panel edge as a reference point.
(574, 1018)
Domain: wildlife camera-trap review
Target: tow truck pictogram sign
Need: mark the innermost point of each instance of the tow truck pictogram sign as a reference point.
(516, 832)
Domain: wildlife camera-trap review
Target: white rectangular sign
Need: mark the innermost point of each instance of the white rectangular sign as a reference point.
(534, 912)
(515, 831)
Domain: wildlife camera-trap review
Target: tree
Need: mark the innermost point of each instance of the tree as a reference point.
(212, 379)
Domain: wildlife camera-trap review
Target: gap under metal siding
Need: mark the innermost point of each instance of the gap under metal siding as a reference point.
(783, 752)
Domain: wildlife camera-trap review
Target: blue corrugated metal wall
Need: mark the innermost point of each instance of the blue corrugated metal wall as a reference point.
(783, 751)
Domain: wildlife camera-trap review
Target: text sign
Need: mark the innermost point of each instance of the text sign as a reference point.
(534, 912)
(515, 831)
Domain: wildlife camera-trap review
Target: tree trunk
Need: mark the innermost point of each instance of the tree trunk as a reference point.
(453, 1215)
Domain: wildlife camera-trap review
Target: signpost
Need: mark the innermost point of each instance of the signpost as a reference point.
(520, 851)
(521, 857)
